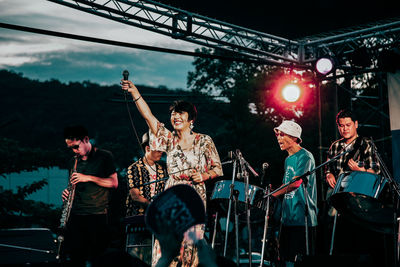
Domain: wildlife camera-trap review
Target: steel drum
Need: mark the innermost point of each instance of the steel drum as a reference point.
(222, 191)
(356, 196)
(221, 195)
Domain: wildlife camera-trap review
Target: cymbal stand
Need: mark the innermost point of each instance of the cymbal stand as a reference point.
(245, 175)
(396, 196)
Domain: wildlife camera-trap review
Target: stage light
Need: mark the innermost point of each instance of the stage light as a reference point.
(324, 65)
(291, 93)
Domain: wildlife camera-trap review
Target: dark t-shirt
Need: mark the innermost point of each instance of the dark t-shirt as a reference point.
(91, 198)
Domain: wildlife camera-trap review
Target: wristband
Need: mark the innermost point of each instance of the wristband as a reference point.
(134, 100)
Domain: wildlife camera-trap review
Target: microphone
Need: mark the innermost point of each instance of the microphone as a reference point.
(125, 74)
(265, 166)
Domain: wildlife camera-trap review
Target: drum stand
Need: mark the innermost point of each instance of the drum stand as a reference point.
(264, 240)
(233, 196)
(335, 190)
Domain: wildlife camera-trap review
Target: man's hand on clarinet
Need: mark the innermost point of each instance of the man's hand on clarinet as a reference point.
(77, 177)
(65, 194)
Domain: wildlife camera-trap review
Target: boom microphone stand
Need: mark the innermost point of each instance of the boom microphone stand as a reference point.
(247, 199)
(396, 196)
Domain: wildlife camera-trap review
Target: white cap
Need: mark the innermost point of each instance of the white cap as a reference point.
(291, 128)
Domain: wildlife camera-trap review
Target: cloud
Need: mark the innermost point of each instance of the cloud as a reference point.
(106, 67)
(45, 57)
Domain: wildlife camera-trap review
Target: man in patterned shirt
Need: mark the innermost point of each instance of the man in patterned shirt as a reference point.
(349, 237)
(364, 161)
(143, 171)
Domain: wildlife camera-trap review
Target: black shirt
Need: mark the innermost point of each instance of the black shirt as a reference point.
(91, 198)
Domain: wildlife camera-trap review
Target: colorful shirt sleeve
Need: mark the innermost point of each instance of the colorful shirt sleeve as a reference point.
(162, 140)
(212, 157)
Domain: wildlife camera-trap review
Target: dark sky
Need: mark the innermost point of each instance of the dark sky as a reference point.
(292, 19)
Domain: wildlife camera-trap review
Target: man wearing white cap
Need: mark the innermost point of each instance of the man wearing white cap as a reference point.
(296, 198)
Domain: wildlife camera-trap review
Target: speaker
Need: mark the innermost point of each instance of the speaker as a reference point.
(27, 246)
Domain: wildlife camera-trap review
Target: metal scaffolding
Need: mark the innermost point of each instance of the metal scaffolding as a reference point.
(355, 50)
(180, 24)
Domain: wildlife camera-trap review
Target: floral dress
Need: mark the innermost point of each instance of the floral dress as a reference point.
(201, 157)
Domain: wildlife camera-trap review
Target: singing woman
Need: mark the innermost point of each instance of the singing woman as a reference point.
(191, 159)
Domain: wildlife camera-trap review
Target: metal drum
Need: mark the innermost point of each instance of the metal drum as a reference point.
(222, 191)
(221, 195)
(356, 196)
(358, 183)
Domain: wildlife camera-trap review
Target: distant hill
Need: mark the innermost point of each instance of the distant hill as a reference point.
(34, 113)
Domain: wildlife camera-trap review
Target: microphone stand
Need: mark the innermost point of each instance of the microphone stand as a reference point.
(231, 187)
(395, 195)
(247, 199)
(27, 248)
(163, 179)
(155, 181)
(306, 213)
(305, 174)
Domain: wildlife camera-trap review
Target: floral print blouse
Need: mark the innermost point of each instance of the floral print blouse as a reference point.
(201, 157)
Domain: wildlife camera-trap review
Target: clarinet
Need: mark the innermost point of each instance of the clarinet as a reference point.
(66, 209)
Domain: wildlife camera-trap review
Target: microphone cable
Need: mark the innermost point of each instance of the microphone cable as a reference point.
(125, 76)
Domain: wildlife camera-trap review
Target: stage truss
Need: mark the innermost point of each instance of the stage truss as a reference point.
(355, 50)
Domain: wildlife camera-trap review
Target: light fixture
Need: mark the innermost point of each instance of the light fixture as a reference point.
(324, 65)
(291, 92)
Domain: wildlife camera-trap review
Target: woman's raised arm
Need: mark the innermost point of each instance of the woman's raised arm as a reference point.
(141, 105)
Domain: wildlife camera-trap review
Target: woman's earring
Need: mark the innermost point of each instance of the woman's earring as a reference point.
(191, 126)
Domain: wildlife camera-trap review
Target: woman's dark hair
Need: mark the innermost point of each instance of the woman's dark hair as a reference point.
(77, 132)
(344, 113)
(182, 106)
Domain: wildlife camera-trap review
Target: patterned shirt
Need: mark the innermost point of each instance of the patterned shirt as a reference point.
(365, 158)
(201, 157)
(137, 175)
